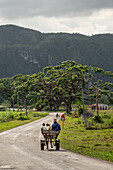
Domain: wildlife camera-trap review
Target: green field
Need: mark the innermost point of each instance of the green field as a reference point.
(96, 143)
(11, 119)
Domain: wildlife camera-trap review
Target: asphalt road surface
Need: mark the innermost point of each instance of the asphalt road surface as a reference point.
(20, 150)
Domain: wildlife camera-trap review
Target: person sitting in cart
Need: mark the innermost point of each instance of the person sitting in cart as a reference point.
(43, 127)
(56, 126)
(47, 126)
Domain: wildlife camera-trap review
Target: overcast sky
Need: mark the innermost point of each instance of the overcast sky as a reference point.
(82, 16)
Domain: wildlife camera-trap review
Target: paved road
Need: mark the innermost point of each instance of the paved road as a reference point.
(20, 150)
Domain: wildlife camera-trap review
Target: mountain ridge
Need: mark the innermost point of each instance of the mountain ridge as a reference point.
(27, 51)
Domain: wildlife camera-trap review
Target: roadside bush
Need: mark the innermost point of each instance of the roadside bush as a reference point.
(2, 108)
(10, 116)
(3, 117)
(87, 113)
(80, 111)
(22, 118)
(35, 114)
(46, 108)
(98, 119)
(81, 121)
(106, 116)
(20, 114)
(108, 123)
(112, 121)
(7, 116)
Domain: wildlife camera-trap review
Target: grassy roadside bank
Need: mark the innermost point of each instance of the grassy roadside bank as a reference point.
(10, 119)
(94, 143)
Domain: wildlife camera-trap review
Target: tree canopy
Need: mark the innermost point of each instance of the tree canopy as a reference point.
(64, 83)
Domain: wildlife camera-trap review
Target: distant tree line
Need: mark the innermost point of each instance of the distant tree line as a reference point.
(66, 84)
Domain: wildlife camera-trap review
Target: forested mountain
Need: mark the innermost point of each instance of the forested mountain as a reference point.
(27, 51)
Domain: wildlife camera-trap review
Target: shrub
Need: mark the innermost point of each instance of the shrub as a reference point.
(98, 144)
(46, 108)
(80, 121)
(2, 108)
(36, 115)
(108, 123)
(88, 114)
(80, 111)
(98, 119)
(3, 117)
(106, 116)
(22, 118)
(112, 121)
(10, 116)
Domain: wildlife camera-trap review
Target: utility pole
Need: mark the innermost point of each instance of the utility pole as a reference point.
(97, 99)
(13, 103)
(83, 101)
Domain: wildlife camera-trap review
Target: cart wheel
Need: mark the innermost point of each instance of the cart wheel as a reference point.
(57, 144)
(42, 145)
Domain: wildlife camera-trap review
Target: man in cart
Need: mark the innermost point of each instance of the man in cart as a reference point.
(56, 126)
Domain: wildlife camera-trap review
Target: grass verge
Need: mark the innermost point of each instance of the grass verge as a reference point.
(18, 119)
(94, 143)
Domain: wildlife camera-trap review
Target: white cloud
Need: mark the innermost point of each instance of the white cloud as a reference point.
(12, 9)
(83, 16)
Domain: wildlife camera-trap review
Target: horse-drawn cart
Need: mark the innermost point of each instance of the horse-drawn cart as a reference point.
(50, 136)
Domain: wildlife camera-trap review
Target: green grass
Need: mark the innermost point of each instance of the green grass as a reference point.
(10, 119)
(94, 143)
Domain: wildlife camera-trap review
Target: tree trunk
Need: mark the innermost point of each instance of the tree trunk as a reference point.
(97, 100)
(68, 107)
(9, 105)
(57, 106)
(13, 103)
(17, 103)
(83, 102)
(25, 102)
(26, 110)
(50, 104)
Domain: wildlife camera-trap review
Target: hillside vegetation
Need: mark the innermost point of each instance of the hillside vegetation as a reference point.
(28, 51)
